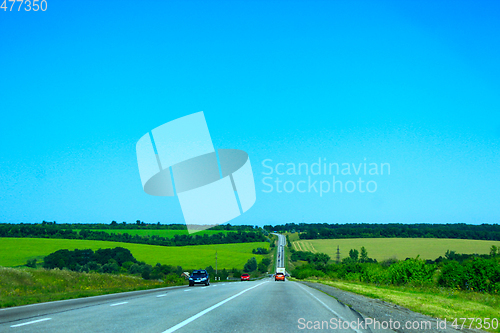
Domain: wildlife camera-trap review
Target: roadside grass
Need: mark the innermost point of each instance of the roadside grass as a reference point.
(159, 232)
(16, 252)
(399, 248)
(21, 286)
(289, 264)
(432, 301)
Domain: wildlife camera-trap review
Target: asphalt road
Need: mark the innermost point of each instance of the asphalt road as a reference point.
(255, 306)
(280, 257)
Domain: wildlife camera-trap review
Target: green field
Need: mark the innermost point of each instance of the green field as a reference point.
(16, 251)
(157, 232)
(399, 248)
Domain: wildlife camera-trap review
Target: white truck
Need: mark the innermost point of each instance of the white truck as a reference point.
(280, 270)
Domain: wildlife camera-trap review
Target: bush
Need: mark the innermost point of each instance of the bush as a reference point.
(310, 257)
(306, 271)
(411, 270)
(478, 274)
(135, 269)
(260, 250)
(111, 268)
(452, 275)
(374, 273)
(146, 272)
(31, 263)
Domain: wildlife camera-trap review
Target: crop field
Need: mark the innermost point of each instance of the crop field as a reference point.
(159, 232)
(16, 251)
(399, 248)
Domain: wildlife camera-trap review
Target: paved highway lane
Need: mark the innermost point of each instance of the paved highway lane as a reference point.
(255, 306)
(280, 251)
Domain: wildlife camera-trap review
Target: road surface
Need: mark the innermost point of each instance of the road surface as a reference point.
(255, 306)
(280, 252)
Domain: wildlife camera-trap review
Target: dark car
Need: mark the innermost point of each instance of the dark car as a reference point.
(200, 276)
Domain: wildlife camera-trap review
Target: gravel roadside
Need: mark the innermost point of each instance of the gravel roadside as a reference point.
(385, 311)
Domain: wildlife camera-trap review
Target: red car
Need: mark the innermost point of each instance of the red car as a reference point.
(279, 277)
(245, 277)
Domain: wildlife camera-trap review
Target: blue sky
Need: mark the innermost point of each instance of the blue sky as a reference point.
(414, 84)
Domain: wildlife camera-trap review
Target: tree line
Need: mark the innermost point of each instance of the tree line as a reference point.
(114, 261)
(141, 225)
(390, 230)
(121, 261)
(52, 230)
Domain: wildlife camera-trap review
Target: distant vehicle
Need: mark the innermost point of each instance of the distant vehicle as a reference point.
(245, 277)
(279, 277)
(200, 276)
(280, 270)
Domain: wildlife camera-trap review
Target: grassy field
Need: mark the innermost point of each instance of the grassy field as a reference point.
(16, 251)
(435, 302)
(400, 248)
(292, 237)
(19, 286)
(160, 232)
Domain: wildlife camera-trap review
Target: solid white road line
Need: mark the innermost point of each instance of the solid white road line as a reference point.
(326, 306)
(162, 295)
(31, 322)
(118, 303)
(199, 314)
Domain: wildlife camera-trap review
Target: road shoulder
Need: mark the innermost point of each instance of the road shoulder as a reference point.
(381, 310)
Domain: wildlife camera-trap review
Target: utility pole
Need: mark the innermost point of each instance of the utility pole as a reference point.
(215, 262)
(338, 255)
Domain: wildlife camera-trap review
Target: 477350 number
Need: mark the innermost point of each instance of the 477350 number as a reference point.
(26, 5)
(477, 323)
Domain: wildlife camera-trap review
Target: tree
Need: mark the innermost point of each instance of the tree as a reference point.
(363, 255)
(146, 272)
(353, 253)
(135, 269)
(251, 265)
(450, 255)
(262, 267)
(493, 251)
(31, 263)
(321, 257)
(111, 268)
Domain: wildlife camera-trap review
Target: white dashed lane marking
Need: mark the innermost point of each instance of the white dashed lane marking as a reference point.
(118, 303)
(31, 322)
